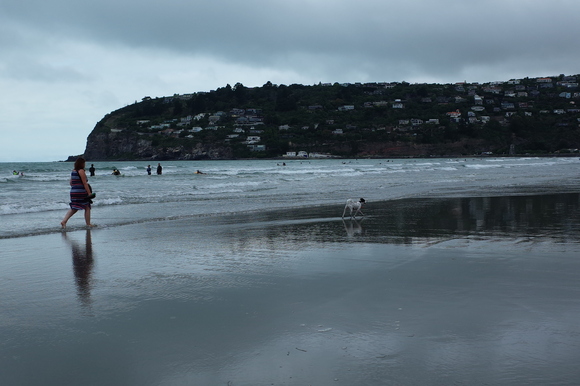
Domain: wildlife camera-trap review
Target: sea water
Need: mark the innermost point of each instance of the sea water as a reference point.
(35, 200)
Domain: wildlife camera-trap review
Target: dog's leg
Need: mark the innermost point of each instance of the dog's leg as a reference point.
(344, 211)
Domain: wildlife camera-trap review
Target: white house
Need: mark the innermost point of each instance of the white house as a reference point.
(398, 104)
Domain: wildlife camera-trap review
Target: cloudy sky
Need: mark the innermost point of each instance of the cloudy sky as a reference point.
(64, 64)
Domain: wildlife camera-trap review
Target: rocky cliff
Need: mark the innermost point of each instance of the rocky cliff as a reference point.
(102, 146)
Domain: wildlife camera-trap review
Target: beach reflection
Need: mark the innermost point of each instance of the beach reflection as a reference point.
(551, 217)
(82, 260)
(352, 227)
(542, 216)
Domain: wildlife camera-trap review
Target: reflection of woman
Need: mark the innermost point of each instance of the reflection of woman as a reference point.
(79, 193)
(82, 259)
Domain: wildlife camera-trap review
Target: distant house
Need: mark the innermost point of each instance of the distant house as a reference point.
(257, 147)
(398, 104)
(346, 108)
(507, 105)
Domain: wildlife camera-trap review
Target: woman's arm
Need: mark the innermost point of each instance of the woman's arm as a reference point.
(83, 177)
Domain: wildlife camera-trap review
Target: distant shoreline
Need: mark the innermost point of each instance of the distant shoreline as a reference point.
(281, 158)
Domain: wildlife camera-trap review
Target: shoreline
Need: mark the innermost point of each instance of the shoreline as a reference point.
(333, 157)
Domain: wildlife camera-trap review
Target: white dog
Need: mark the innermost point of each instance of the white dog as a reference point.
(355, 205)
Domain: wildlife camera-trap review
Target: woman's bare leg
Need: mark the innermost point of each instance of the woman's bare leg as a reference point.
(88, 217)
(67, 216)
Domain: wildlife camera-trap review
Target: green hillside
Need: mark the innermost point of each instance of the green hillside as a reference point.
(525, 116)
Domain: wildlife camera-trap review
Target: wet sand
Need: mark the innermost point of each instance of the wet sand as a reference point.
(478, 291)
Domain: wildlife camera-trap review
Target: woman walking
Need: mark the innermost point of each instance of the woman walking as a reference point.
(80, 193)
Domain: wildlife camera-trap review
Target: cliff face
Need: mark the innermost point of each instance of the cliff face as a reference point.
(102, 146)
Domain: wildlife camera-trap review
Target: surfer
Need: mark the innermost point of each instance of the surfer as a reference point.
(159, 169)
(198, 172)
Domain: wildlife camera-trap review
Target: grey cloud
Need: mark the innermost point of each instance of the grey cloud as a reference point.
(440, 38)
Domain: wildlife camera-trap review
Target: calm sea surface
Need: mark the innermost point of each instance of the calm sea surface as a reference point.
(36, 202)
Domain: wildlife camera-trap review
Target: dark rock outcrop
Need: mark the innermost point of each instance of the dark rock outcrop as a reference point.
(102, 146)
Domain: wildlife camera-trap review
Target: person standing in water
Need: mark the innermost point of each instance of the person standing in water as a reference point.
(149, 169)
(159, 169)
(80, 192)
(92, 170)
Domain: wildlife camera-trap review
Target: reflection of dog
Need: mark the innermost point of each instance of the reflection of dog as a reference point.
(352, 227)
(354, 205)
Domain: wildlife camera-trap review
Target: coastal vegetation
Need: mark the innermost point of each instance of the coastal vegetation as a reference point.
(536, 116)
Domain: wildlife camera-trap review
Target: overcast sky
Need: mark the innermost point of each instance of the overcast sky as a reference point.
(64, 64)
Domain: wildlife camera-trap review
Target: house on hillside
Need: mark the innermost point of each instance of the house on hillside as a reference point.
(398, 104)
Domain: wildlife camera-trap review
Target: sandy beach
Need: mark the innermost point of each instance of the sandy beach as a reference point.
(467, 291)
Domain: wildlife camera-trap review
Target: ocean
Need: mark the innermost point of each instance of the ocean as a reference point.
(35, 202)
(461, 272)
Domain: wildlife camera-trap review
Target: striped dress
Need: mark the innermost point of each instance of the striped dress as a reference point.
(78, 194)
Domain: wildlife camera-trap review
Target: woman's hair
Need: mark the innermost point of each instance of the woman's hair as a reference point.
(80, 163)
